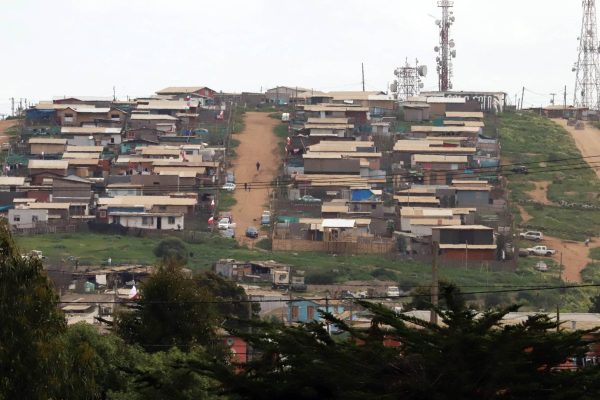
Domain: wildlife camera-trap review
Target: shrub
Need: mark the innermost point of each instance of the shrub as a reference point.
(173, 249)
(320, 278)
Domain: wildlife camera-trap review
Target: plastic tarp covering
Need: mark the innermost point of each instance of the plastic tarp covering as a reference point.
(361, 194)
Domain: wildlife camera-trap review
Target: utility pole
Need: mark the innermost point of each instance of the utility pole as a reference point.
(363, 75)
(12, 106)
(552, 101)
(434, 284)
(522, 96)
(565, 99)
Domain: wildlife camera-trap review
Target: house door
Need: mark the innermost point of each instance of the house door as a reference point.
(159, 223)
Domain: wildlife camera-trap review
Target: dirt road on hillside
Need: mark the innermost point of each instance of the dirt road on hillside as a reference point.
(587, 141)
(575, 256)
(257, 143)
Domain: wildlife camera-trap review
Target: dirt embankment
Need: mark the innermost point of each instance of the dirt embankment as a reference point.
(575, 256)
(587, 141)
(4, 125)
(258, 143)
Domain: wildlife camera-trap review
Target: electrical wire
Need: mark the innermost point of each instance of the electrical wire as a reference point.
(522, 289)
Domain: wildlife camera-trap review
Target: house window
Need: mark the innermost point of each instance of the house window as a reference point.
(112, 140)
(114, 116)
(373, 206)
(294, 313)
(116, 220)
(102, 214)
(147, 221)
(162, 208)
(68, 115)
(171, 220)
(34, 218)
(16, 218)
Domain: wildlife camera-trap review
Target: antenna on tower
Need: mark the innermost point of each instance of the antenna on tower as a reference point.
(408, 82)
(587, 74)
(445, 49)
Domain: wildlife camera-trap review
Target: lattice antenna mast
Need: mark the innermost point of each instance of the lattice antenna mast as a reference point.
(587, 74)
(408, 80)
(445, 49)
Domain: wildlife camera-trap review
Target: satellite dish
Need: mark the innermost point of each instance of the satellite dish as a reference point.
(573, 69)
(421, 85)
(436, 49)
(453, 53)
(451, 43)
(438, 22)
(422, 70)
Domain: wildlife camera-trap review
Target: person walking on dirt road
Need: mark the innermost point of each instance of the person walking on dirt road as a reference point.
(257, 166)
(245, 186)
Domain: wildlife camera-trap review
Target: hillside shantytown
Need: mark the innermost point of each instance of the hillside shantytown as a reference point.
(422, 233)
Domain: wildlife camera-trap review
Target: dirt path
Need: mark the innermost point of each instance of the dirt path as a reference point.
(575, 256)
(587, 141)
(540, 193)
(257, 143)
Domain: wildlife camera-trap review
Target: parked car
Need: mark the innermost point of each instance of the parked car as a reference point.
(230, 187)
(392, 291)
(520, 169)
(228, 233)
(541, 266)
(225, 223)
(540, 251)
(309, 199)
(251, 232)
(265, 218)
(532, 235)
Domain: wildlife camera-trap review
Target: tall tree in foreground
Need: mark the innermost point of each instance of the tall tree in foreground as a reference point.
(469, 356)
(172, 311)
(29, 322)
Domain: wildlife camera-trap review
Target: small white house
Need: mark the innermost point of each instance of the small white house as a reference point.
(146, 220)
(23, 218)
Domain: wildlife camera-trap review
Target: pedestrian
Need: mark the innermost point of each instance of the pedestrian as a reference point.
(245, 186)
(249, 187)
(587, 242)
(257, 166)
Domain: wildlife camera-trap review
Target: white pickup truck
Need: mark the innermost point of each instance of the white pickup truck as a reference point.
(540, 251)
(225, 223)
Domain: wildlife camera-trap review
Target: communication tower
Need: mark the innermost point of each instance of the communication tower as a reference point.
(587, 74)
(408, 80)
(445, 50)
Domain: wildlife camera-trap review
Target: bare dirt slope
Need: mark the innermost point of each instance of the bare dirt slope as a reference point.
(257, 143)
(575, 256)
(4, 125)
(587, 141)
(540, 193)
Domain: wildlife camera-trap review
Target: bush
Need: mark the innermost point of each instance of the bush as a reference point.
(266, 244)
(172, 249)
(320, 278)
(384, 274)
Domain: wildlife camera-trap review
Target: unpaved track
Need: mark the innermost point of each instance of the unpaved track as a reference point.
(587, 141)
(257, 143)
(575, 256)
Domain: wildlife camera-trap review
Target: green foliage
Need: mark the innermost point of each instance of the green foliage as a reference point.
(29, 322)
(172, 249)
(173, 311)
(265, 243)
(320, 278)
(469, 356)
(384, 274)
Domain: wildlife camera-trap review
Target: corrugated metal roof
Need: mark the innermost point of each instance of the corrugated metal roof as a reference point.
(434, 221)
(417, 199)
(437, 158)
(47, 141)
(464, 114)
(88, 156)
(334, 207)
(469, 228)
(446, 100)
(164, 105)
(180, 89)
(49, 206)
(328, 126)
(152, 117)
(338, 223)
(47, 164)
(148, 201)
(466, 246)
(84, 149)
(444, 129)
(327, 120)
(342, 145)
(12, 181)
(88, 130)
(335, 107)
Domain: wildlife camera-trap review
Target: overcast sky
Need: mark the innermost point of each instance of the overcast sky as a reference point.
(85, 47)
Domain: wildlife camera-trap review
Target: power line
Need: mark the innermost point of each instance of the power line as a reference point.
(286, 300)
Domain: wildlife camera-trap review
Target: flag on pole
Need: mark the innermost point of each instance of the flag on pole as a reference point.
(212, 203)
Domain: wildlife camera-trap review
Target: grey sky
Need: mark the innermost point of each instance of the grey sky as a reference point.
(84, 47)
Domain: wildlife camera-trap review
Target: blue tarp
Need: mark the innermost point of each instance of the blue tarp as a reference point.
(361, 194)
